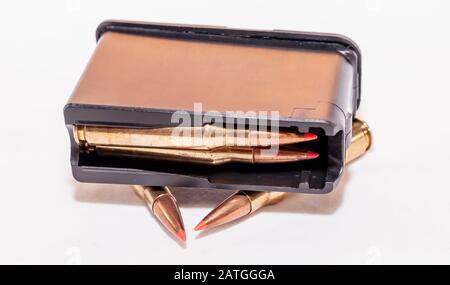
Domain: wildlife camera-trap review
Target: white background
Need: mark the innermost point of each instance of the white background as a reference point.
(393, 206)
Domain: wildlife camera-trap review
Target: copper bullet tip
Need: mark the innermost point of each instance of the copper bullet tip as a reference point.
(231, 209)
(201, 226)
(165, 208)
(283, 155)
(286, 138)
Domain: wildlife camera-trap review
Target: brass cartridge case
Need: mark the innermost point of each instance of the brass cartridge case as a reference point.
(203, 138)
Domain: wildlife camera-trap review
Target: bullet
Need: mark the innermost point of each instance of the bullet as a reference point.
(204, 138)
(239, 205)
(215, 156)
(164, 206)
(243, 203)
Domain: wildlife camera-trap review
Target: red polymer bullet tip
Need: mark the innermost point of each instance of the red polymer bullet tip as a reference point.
(201, 226)
(181, 235)
(312, 154)
(310, 136)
